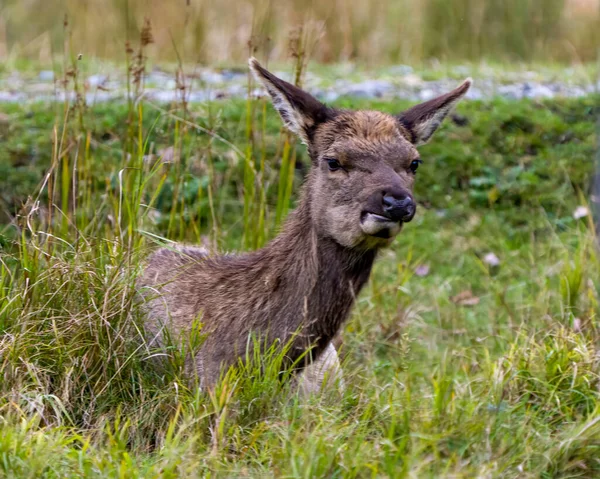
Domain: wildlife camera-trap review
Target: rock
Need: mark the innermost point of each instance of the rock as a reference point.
(40, 89)
(514, 92)
(369, 89)
(331, 96)
(162, 96)
(157, 78)
(236, 91)
(230, 75)
(97, 80)
(341, 85)
(326, 96)
(427, 94)
(401, 70)
(537, 91)
(46, 75)
(412, 80)
(401, 82)
(284, 76)
(474, 93)
(212, 78)
(197, 96)
(10, 97)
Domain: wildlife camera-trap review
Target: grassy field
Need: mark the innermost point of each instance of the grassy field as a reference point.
(473, 352)
(225, 31)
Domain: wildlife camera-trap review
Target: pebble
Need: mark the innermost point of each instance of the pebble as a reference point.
(401, 70)
(97, 80)
(231, 75)
(369, 89)
(212, 78)
(474, 93)
(427, 94)
(210, 84)
(46, 75)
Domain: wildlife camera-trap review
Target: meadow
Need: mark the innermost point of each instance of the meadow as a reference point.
(472, 352)
(390, 32)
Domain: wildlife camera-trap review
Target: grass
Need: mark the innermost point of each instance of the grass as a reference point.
(398, 31)
(455, 366)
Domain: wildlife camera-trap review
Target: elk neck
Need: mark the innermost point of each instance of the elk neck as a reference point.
(313, 274)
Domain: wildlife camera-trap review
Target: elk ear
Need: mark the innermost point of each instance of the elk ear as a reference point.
(300, 111)
(422, 120)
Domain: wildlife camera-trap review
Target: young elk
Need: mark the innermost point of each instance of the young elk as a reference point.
(299, 289)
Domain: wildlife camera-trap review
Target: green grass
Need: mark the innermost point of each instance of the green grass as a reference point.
(505, 386)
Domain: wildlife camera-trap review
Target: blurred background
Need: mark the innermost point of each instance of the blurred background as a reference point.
(382, 32)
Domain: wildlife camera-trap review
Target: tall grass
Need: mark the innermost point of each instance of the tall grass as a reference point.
(506, 384)
(210, 31)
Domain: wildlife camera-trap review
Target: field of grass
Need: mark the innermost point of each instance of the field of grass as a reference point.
(224, 31)
(473, 352)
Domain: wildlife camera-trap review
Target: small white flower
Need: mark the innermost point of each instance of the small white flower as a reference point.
(491, 259)
(581, 212)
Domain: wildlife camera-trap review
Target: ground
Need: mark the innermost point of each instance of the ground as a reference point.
(473, 351)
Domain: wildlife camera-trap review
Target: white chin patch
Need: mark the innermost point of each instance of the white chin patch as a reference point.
(376, 225)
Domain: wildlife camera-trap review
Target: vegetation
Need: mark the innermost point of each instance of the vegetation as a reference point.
(472, 352)
(395, 31)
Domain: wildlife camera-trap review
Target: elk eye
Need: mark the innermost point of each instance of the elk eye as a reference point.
(414, 165)
(333, 164)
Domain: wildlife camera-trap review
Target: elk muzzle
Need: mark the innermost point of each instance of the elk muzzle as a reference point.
(386, 212)
(399, 208)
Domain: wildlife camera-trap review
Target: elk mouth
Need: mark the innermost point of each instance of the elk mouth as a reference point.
(379, 226)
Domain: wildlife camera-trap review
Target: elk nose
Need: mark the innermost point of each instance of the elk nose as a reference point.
(399, 208)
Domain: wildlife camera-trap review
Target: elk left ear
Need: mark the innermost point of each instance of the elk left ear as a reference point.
(422, 120)
(300, 111)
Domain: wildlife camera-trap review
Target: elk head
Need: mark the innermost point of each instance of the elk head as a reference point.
(364, 163)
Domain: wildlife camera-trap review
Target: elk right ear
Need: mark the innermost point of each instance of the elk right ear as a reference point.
(422, 120)
(300, 111)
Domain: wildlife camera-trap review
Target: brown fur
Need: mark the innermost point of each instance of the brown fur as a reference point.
(300, 288)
